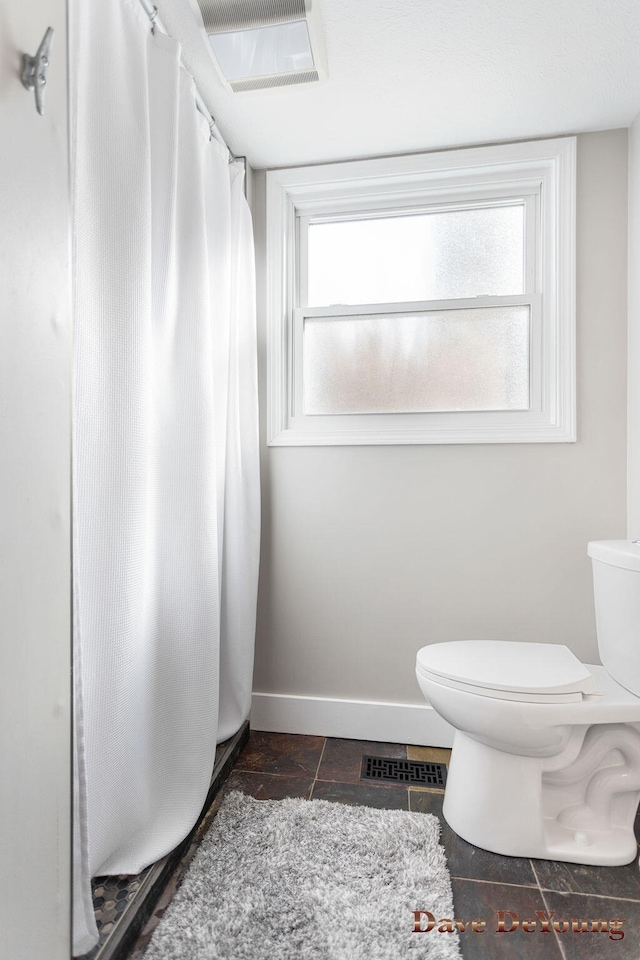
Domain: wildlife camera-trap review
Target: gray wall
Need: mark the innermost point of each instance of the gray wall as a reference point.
(633, 403)
(371, 552)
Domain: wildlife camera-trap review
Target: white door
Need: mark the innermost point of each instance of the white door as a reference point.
(35, 575)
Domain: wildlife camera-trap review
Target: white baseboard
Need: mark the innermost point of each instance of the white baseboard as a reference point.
(352, 719)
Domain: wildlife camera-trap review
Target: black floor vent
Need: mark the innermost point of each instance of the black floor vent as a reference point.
(416, 773)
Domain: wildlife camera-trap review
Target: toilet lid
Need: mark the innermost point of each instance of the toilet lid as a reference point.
(519, 671)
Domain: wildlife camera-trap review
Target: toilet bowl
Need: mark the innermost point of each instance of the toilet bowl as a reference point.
(546, 756)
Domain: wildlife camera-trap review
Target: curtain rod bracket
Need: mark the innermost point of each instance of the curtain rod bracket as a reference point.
(214, 134)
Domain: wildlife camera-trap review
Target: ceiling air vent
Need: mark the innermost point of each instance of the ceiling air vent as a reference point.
(261, 44)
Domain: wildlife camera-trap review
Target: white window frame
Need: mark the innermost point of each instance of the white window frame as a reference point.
(542, 172)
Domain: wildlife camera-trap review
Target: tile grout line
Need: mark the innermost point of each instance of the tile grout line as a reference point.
(324, 747)
(544, 900)
(315, 776)
(378, 783)
(580, 893)
(502, 883)
(268, 773)
(557, 936)
(373, 783)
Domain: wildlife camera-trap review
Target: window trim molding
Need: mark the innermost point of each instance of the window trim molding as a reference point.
(549, 165)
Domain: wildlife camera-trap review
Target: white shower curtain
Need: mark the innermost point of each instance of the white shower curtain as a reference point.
(166, 514)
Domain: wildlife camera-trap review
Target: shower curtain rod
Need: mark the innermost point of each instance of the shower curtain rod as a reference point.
(152, 12)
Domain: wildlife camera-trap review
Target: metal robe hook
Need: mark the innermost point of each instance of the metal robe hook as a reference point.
(34, 70)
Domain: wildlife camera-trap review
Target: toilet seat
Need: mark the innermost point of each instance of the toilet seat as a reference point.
(508, 670)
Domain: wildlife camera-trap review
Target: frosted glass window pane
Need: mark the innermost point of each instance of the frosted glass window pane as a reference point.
(431, 256)
(474, 359)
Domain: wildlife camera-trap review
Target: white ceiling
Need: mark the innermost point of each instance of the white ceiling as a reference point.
(412, 75)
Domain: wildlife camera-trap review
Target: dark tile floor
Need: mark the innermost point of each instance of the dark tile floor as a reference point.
(273, 766)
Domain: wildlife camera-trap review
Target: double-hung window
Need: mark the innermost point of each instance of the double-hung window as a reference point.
(424, 299)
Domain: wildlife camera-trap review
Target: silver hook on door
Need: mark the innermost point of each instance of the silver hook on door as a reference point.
(34, 70)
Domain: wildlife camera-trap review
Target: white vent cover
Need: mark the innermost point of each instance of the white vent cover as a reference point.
(261, 44)
(220, 16)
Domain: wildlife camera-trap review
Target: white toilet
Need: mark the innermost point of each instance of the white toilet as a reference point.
(546, 756)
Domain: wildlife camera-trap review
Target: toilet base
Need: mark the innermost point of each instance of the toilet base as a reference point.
(528, 807)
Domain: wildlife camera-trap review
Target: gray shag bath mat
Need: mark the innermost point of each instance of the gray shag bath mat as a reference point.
(310, 880)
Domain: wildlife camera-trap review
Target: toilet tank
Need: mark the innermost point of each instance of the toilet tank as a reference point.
(616, 588)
